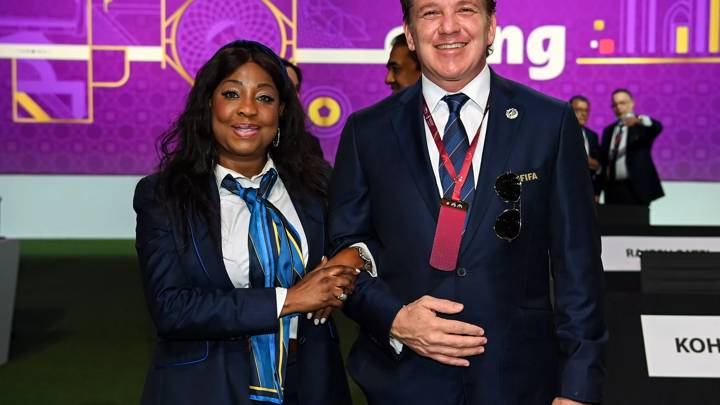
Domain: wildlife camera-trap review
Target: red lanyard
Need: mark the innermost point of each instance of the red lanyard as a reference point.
(445, 158)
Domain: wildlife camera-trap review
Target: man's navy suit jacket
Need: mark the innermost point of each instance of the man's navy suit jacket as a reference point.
(203, 322)
(383, 193)
(642, 173)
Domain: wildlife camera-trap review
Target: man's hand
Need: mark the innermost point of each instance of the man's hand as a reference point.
(565, 401)
(417, 326)
(631, 121)
(593, 164)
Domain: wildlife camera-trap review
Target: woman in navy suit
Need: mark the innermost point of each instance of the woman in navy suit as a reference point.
(228, 232)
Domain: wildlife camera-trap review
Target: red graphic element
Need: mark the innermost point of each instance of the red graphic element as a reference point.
(607, 46)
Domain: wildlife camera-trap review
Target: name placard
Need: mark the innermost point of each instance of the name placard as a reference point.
(682, 346)
(622, 253)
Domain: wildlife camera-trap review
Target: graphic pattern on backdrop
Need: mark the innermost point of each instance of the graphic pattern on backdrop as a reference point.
(87, 86)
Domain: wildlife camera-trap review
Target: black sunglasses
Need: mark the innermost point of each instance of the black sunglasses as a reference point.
(507, 225)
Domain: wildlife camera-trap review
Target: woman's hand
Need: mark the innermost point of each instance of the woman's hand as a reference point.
(320, 288)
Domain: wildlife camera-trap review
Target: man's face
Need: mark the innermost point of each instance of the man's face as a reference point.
(402, 70)
(582, 111)
(450, 38)
(622, 104)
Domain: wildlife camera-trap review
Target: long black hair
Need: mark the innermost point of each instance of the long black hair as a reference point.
(189, 150)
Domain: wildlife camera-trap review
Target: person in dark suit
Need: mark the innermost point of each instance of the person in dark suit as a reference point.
(630, 176)
(460, 251)
(228, 232)
(591, 141)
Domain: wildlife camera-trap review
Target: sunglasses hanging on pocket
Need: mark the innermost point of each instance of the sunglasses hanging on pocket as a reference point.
(509, 188)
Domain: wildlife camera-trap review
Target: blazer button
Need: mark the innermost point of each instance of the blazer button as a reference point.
(461, 272)
(301, 340)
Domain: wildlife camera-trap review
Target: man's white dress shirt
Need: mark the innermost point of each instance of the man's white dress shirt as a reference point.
(621, 130)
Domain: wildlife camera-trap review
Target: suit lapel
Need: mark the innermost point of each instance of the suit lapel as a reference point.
(499, 141)
(207, 247)
(410, 134)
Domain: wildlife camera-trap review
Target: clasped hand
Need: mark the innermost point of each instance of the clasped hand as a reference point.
(346, 257)
(320, 289)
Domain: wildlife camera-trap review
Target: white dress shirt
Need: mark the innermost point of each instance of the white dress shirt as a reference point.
(235, 223)
(621, 130)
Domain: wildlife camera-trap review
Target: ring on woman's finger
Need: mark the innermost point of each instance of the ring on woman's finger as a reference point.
(342, 297)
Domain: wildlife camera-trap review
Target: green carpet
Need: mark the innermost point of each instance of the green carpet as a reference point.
(81, 332)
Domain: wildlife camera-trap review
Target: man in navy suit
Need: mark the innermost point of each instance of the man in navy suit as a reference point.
(630, 176)
(581, 106)
(488, 331)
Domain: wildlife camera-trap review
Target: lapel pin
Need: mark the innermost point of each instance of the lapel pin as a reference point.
(511, 113)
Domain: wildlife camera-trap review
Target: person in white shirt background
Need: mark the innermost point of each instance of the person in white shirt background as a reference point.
(629, 173)
(581, 106)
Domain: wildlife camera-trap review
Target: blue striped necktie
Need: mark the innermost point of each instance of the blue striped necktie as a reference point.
(275, 261)
(456, 143)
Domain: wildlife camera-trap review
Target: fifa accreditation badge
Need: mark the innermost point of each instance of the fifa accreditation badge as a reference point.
(448, 234)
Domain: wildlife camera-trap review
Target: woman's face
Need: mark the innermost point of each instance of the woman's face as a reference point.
(245, 117)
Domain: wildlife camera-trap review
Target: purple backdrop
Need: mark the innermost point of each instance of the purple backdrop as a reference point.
(86, 86)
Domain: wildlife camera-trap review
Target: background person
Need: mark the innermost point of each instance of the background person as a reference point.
(294, 73)
(581, 106)
(296, 77)
(403, 68)
(630, 176)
